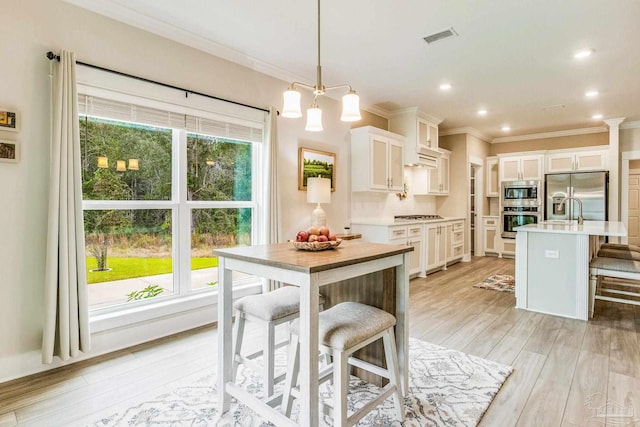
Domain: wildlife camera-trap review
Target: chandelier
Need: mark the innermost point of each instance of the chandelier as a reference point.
(291, 108)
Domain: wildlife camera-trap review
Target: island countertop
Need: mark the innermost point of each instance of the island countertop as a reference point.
(592, 228)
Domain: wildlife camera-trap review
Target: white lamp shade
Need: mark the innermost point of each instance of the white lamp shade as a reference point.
(350, 107)
(121, 166)
(103, 162)
(291, 107)
(134, 165)
(318, 190)
(314, 120)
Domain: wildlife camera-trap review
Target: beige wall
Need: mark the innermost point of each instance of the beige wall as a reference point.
(456, 203)
(573, 141)
(370, 119)
(630, 139)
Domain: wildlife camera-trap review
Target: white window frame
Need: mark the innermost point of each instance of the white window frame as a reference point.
(184, 298)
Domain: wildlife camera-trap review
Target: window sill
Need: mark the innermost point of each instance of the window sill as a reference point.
(100, 322)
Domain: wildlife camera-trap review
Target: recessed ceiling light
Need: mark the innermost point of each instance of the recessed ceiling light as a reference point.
(445, 86)
(506, 128)
(591, 93)
(596, 116)
(584, 53)
(482, 112)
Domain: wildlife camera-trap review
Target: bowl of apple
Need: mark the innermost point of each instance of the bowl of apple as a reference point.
(315, 239)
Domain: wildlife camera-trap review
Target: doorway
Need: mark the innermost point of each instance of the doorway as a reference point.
(472, 208)
(633, 200)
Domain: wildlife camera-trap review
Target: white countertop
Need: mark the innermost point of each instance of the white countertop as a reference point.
(593, 228)
(409, 222)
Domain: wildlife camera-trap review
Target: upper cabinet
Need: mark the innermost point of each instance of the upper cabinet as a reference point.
(376, 160)
(493, 179)
(432, 181)
(421, 136)
(578, 161)
(521, 168)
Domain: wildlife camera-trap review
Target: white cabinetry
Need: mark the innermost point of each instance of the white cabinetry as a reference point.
(455, 248)
(581, 161)
(421, 133)
(521, 168)
(492, 239)
(376, 160)
(444, 243)
(397, 234)
(437, 179)
(493, 178)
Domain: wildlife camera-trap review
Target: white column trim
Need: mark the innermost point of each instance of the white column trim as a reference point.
(624, 188)
(614, 173)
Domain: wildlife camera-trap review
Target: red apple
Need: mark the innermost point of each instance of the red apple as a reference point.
(313, 231)
(302, 236)
(332, 237)
(313, 238)
(324, 231)
(323, 238)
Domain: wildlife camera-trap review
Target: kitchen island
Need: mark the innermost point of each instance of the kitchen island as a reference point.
(552, 265)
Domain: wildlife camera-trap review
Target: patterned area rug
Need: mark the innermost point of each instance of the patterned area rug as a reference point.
(498, 282)
(446, 388)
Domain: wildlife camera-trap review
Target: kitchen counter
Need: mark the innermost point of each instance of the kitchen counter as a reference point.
(391, 221)
(552, 265)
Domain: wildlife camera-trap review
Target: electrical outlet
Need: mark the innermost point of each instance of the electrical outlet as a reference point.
(548, 253)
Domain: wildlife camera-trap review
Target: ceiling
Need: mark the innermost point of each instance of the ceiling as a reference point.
(512, 58)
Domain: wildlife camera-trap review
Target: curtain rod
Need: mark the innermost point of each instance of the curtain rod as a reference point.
(52, 56)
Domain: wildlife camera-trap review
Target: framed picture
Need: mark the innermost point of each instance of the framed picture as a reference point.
(8, 120)
(9, 151)
(314, 163)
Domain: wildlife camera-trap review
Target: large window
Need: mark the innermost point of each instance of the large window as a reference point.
(162, 190)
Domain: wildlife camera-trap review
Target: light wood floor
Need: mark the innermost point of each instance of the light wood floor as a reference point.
(565, 370)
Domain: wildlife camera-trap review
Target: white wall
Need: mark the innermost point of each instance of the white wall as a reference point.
(30, 28)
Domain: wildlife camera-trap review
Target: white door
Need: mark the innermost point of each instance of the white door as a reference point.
(633, 226)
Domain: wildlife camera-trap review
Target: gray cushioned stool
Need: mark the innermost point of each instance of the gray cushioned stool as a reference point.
(621, 265)
(344, 329)
(269, 309)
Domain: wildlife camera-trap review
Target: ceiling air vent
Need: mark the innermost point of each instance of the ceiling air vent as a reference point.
(449, 32)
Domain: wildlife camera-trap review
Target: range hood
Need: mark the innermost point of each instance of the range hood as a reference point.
(423, 156)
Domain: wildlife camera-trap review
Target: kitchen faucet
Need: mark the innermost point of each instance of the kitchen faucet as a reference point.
(580, 219)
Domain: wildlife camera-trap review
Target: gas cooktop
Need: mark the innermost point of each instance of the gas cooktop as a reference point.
(400, 218)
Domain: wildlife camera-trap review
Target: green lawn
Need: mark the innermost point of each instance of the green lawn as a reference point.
(127, 268)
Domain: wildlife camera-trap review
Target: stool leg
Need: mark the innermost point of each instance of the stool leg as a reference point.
(238, 335)
(268, 355)
(293, 368)
(390, 349)
(340, 387)
(593, 281)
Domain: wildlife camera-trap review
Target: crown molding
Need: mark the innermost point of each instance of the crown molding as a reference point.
(630, 125)
(133, 18)
(556, 134)
(378, 111)
(470, 130)
(418, 113)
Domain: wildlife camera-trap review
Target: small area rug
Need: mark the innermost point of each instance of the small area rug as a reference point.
(446, 388)
(498, 282)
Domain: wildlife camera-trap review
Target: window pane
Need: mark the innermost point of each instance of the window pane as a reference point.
(129, 255)
(216, 228)
(218, 169)
(124, 161)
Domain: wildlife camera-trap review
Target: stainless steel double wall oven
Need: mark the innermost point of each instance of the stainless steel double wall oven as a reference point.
(521, 204)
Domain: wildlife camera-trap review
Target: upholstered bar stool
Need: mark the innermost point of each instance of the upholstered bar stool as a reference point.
(270, 310)
(344, 329)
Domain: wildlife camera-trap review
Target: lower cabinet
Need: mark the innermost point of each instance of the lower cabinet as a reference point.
(492, 239)
(444, 244)
(403, 234)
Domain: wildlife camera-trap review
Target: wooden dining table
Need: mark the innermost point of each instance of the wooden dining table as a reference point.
(311, 271)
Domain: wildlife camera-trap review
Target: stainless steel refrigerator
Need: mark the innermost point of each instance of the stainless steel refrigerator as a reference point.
(592, 188)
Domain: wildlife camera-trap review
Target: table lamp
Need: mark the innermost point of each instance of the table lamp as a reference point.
(318, 191)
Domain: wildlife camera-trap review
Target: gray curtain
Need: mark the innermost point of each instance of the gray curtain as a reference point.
(66, 325)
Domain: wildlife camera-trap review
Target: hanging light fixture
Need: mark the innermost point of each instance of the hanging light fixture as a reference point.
(103, 162)
(291, 108)
(134, 165)
(121, 165)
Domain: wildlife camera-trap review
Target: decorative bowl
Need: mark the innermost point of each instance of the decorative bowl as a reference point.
(315, 246)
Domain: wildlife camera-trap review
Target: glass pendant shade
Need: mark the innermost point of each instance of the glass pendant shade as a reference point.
(291, 107)
(103, 162)
(314, 119)
(350, 107)
(134, 165)
(121, 166)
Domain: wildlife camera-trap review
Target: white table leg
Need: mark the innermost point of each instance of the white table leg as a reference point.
(309, 302)
(225, 311)
(402, 321)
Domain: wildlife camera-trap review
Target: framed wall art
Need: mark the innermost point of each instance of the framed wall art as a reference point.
(8, 119)
(314, 163)
(9, 151)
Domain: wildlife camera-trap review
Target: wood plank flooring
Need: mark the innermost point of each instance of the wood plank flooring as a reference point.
(565, 370)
